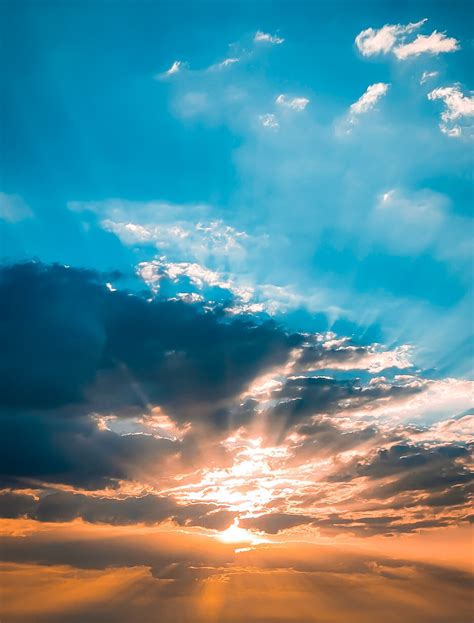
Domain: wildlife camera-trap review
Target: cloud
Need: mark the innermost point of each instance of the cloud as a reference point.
(266, 37)
(366, 103)
(187, 232)
(436, 43)
(13, 208)
(225, 63)
(175, 68)
(128, 395)
(369, 99)
(328, 352)
(392, 38)
(148, 509)
(162, 345)
(457, 108)
(269, 121)
(427, 75)
(295, 103)
(381, 41)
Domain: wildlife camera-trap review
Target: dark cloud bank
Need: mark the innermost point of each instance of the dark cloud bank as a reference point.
(73, 348)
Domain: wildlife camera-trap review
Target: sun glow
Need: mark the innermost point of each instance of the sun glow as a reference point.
(236, 534)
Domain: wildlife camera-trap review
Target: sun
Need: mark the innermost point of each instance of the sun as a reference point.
(236, 534)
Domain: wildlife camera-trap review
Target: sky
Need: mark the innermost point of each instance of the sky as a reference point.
(236, 322)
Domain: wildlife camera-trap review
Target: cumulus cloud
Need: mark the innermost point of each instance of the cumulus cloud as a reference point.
(268, 38)
(391, 38)
(436, 43)
(374, 41)
(295, 103)
(458, 109)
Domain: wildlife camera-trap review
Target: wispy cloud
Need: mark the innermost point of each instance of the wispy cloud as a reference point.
(225, 63)
(369, 99)
(268, 38)
(295, 103)
(269, 121)
(457, 107)
(428, 75)
(175, 68)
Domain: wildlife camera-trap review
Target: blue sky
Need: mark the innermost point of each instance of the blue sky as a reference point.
(236, 317)
(271, 173)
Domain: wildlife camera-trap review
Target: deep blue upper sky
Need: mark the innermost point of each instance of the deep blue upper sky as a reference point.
(360, 216)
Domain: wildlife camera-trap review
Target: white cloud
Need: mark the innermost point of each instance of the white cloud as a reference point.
(381, 41)
(200, 276)
(225, 63)
(369, 99)
(295, 103)
(269, 121)
(175, 68)
(228, 61)
(13, 208)
(263, 36)
(366, 102)
(438, 400)
(427, 75)
(436, 43)
(457, 107)
(187, 231)
(392, 38)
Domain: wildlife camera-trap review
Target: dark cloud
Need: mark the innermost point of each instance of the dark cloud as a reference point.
(148, 509)
(61, 329)
(43, 445)
(272, 523)
(302, 397)
(414, 467)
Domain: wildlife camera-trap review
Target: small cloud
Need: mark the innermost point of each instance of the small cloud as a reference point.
(269, 121)
(264, 36)
(381, 40)
(225, 63)
(366, 102)
(229, 61)
(175, 68)
(13, 208)
(427, 75)
(295, 103)
(436, 43)
(369, 99)
(457, 107)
